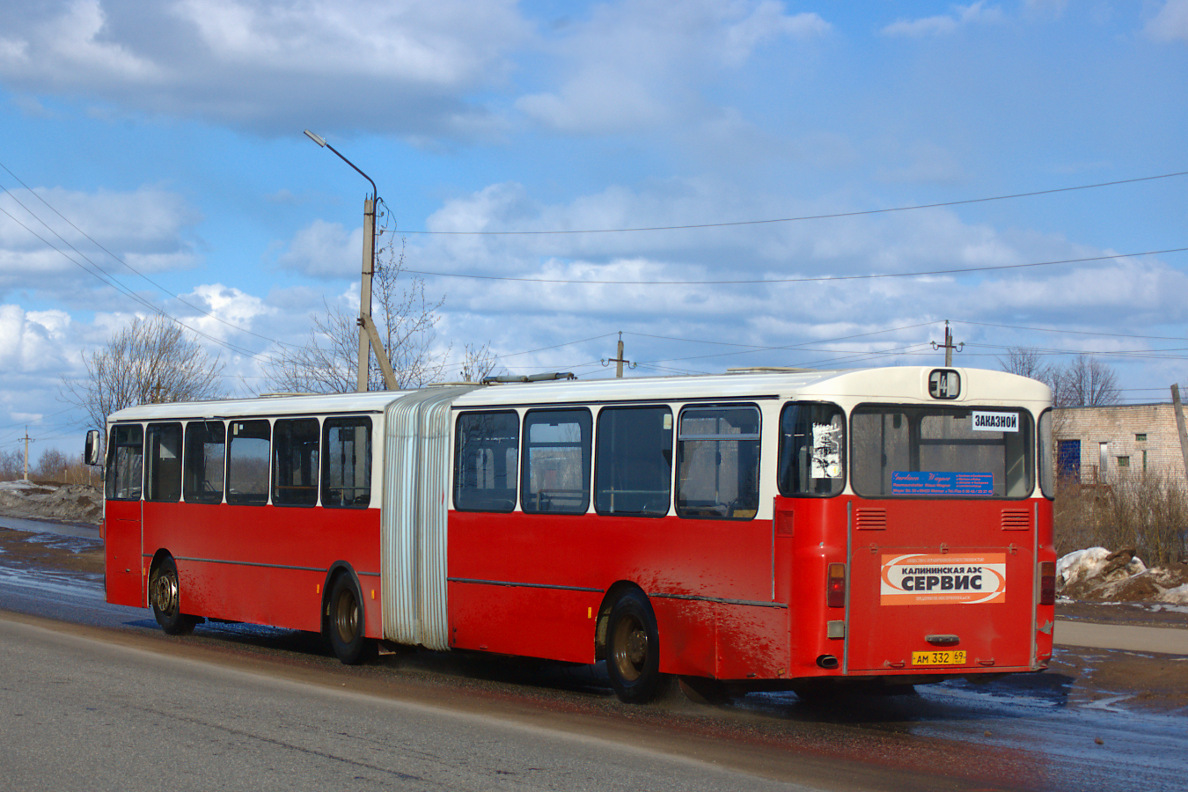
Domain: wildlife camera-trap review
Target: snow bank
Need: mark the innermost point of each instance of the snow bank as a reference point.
(1095, 573)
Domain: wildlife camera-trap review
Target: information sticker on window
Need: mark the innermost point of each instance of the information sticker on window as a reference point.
(826, 451)
(995, 421)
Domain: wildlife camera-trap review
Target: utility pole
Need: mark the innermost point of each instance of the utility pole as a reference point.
(368, 337)
(619, 360)
(26, 438)
(365, 289)
(948, 346)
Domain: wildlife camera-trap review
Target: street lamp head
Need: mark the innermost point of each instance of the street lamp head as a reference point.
(315, 138)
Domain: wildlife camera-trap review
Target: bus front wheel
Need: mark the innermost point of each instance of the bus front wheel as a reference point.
(633, 650)
(165, 597)
(345, 623)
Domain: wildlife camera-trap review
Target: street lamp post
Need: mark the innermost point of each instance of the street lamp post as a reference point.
(368, 336)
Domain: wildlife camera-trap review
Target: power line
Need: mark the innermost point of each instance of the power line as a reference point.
(1069, 332)
(802, 218)
(815, 279)
(98, 273)
(116, 258)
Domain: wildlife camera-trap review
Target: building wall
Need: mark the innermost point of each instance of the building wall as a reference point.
(1137, 437)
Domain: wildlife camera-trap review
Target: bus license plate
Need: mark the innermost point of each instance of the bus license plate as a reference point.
(955, 657)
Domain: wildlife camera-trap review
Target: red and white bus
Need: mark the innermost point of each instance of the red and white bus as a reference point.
(766, 528)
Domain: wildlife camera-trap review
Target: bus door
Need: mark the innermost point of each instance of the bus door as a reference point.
(122, 535)
(942, 540)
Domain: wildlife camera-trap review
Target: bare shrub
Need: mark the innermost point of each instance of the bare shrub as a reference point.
(1147, 512)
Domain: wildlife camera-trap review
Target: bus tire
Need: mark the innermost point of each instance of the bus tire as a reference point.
(165, 597)
(633, 650)
(345, 622)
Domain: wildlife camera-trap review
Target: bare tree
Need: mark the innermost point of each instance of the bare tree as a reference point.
(52, 465)
(11, 465)
(150, 360)
(1024, 361)
(405, 319)
(1087, 382)
(478, 363)
(1028, 362)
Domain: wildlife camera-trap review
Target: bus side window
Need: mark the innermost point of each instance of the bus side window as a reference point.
(812, 450)
(633, 461)
(295, 462)
(205, 453)
(247, 462)
(163, 482)
(125, 462)
(346, 463)
(718, 462)
(486, 454)
(556, 477)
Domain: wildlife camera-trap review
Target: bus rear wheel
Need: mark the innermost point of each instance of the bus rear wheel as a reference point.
(633, 650)
(165, 597)
(345, 623)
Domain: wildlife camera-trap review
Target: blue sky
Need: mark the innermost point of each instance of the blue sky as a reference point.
(170, 133)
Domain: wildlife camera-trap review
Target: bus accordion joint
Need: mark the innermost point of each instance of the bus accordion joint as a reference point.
(835, 587)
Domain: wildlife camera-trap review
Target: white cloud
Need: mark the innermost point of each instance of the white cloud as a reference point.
(30, 341)
(229, 310)
(147, 229)
(944, 24)
(632, 66)
(73, 47)
(1171, 23)
(267, 64)
(324, 250)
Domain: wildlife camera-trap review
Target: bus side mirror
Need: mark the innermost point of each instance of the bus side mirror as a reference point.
(91, 455)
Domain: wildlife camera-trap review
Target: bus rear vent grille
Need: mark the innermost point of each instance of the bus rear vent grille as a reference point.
(870, 519)
(1016, 519)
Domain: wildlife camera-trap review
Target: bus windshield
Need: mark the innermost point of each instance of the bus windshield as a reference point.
(946, 452)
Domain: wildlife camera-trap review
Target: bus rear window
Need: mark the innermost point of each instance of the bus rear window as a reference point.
(899, 451)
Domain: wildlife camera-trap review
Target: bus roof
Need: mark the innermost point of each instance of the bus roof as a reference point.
(893, 384)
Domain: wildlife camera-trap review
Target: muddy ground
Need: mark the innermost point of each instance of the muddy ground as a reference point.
(1146, 681)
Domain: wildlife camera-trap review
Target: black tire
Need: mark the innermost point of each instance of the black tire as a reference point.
(345, 623)
(633, 650)
(165, 597)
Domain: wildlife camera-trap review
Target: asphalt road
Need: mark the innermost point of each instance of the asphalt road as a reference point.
(93, 696)
(82, 714)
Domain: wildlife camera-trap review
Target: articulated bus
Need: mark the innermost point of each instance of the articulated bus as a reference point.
(763, 529)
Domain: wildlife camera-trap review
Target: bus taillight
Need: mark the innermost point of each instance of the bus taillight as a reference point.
(1047, 583)
(835, 586)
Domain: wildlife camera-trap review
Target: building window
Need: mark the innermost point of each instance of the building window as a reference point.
(1123, 461)
(1141, 437)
